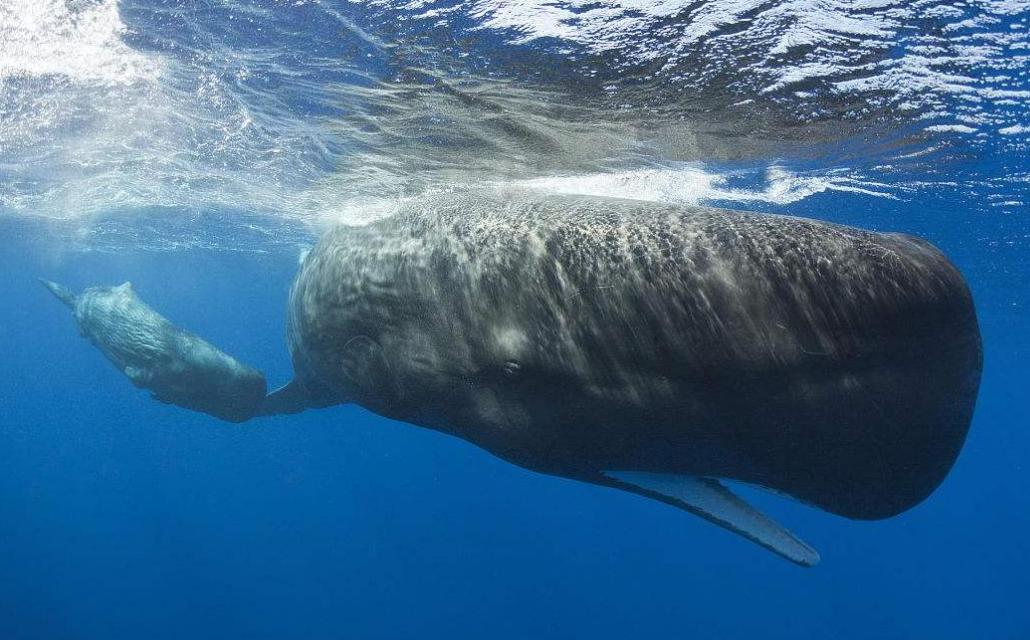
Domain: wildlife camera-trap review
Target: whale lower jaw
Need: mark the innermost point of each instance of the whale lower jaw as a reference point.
(708, 498)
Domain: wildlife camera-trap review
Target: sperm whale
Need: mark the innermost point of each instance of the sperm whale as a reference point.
(655, 349)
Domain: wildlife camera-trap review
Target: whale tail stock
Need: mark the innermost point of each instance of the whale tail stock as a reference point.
(60, 292)
(176, 366)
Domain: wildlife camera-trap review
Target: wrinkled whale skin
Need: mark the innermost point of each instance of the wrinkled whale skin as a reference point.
(577, 335)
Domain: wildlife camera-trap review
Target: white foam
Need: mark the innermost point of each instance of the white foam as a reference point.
(80, 40)
(951, 128)
(696, 185)
(686, 184)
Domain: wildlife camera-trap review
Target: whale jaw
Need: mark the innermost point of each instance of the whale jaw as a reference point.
(709, 499)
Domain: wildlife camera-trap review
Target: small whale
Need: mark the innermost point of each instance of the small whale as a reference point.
(655, 349)
(177, 366)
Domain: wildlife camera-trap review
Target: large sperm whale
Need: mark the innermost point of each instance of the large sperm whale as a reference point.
(650, 348)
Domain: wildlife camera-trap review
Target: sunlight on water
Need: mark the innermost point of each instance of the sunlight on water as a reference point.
(79, 41)
(294, 114)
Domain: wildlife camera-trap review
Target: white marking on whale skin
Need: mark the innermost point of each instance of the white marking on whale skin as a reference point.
(511, 341)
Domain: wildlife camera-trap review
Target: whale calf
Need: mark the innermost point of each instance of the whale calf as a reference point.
(651, 348)
(177, 366)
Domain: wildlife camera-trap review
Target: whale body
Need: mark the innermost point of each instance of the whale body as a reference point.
(651, 348)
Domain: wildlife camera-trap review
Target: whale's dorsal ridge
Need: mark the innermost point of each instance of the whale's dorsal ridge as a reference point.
(712, 501)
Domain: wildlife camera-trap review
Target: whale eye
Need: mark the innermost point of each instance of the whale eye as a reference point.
(511, 369)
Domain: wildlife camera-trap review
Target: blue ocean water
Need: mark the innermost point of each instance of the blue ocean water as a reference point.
(196, 149)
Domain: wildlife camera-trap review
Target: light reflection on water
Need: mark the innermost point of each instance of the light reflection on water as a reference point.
(295, 114)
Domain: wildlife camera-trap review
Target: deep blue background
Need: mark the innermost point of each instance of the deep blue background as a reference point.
(125, 518)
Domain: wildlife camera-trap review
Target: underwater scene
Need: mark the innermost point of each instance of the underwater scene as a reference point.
(514, 319)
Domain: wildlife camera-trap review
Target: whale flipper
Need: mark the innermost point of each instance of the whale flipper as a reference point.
(712, 501)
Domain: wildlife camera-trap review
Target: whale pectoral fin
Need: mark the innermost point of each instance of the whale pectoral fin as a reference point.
(712, 501)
